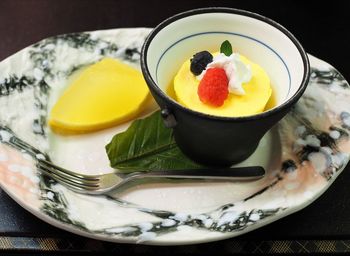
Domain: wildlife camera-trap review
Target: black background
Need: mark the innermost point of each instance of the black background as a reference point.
(322, 27)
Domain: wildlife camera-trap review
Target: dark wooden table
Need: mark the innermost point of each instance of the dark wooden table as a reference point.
(322, 28)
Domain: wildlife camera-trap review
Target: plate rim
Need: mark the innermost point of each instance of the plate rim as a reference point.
(119, 239)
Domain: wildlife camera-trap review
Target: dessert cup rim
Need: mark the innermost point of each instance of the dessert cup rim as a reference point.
(285, 105)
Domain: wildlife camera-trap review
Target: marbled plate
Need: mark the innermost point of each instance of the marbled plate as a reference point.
(303, 154)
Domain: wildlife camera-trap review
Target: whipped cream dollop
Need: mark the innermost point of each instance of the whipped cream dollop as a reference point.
(237, 72)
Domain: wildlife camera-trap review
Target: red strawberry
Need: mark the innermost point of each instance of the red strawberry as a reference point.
(213, 88)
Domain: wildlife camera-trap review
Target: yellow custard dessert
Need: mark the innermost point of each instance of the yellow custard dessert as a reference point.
(257, 92)
(105, 94)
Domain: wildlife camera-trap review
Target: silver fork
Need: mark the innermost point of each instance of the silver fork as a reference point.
(101, 184)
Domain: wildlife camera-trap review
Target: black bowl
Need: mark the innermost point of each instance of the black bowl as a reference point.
(216, 140)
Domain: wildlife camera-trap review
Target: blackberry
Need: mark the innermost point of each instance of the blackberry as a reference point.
(200, 61)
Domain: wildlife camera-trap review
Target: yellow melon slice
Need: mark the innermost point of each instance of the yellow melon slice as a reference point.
(105, 94)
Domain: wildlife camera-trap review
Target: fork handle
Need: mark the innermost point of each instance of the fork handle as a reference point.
(218, 174)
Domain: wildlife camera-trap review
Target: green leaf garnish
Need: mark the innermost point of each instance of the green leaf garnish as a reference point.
(147, 145)
(226, 48)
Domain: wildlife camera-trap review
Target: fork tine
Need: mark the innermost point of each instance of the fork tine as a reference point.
(49, 166)
(71, 187)
(67, 176)
(66, 181)
(27, 147)
(20, 144)
(87, 178)
(35, 152)
(77, 189)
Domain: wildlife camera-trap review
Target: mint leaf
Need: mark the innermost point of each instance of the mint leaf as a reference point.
(226, 48)
(147, 145)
